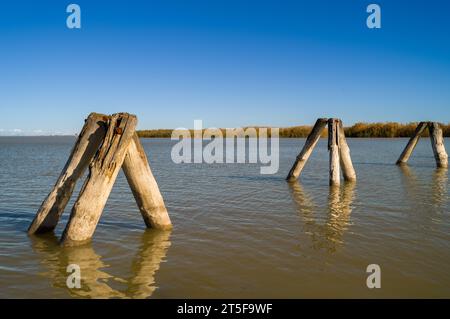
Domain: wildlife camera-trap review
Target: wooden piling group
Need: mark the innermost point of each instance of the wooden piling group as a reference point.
(338, 150)
(108, 143)
(105, 144)
(437, 143)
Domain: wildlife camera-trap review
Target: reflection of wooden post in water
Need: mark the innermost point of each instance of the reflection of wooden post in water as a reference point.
(153, 250)
(337, 146)
(339, 204)
(437, 143)
(105, 144)
(340, 207)
(56, 259)
(440, 184)
(84, 150)
(93, 279)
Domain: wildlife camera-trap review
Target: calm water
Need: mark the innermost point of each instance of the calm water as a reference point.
(237, 233)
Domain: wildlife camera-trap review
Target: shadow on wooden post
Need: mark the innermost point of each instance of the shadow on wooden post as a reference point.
(105, 144)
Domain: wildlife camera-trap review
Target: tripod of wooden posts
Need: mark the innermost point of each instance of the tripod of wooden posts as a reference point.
(437, 143)
(338, 149)
(105, 144)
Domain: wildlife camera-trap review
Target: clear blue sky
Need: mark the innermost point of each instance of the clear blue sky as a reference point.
(229, 63)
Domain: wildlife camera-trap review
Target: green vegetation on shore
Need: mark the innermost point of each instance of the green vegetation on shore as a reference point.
(389, 129)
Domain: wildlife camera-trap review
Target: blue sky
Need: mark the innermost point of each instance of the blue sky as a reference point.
(229, 63)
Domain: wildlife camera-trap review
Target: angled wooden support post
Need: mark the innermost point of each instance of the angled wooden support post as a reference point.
(102, 175)
(411, 144)
(307, 149)
(337, 146)
(86, 146)
(333, 148)
(144, 187)
(344, 155)
(437, 143)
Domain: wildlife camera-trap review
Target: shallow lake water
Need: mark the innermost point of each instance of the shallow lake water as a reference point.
(236, 233)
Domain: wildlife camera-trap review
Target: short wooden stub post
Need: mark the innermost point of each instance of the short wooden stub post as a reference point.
(437, 143)
(105, 144)
(337, 146)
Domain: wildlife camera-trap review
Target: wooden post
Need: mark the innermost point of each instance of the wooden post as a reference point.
(411, 144)
(88, 142)
(333, 147)
(307, 149)
(345, 158)
(145, 189)
(102, 175)
(437, 142)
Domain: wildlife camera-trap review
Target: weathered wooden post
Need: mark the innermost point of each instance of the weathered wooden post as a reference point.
(307, 149)
(337, 146)
(333, 148)
(344, 155)
(144, 186)
(105, 144)
(437, 142)
(102, 175)
(86, 146)
(411, 144)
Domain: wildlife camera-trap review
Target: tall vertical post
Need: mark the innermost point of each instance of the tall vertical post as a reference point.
(333, 147)
(144, 187)
(89, 140)
(307, 149)
(344, 155)
(437, 142)
(411, 144)
(102, 175)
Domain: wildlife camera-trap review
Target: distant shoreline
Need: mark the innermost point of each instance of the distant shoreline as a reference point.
(358, 130)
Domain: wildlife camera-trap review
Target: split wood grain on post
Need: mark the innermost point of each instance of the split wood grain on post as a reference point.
(102, 175)
(437, 143)
(89, 140)
(333, 147)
